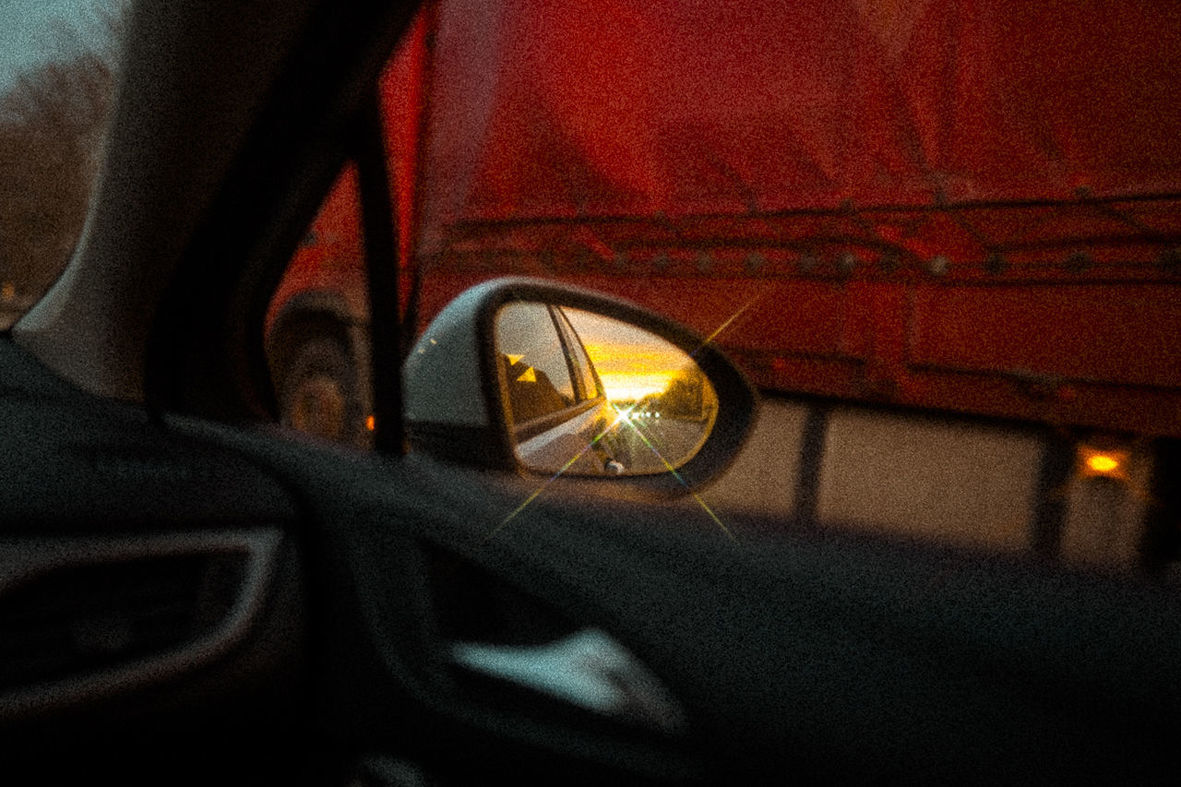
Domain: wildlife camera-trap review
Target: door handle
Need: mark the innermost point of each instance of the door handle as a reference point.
(589, 669)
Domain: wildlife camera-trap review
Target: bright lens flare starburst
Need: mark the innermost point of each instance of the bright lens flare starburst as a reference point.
(622, 417)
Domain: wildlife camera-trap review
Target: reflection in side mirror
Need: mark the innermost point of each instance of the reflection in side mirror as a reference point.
(586, 394)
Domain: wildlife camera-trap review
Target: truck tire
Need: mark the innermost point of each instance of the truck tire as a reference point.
(318, 392)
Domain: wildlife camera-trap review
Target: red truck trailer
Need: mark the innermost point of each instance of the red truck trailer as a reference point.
(939, 207)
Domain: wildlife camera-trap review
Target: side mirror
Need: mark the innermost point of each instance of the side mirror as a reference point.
(537, 377)
(588, 394)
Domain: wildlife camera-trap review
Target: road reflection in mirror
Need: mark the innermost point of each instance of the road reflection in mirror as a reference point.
(586, 394)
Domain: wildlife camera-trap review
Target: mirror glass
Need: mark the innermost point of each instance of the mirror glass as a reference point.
(586, 394)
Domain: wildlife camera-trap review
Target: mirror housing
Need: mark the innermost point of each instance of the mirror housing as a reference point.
(455, 395)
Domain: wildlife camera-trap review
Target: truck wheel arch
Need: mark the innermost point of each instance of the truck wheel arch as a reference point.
(318, 340)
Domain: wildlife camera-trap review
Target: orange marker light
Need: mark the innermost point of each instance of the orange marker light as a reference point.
(1102, 463)
(1094, 462)
(370, 423)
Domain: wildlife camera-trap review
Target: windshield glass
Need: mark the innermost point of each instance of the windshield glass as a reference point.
(57, 66)
(948, 200)
(943, 241)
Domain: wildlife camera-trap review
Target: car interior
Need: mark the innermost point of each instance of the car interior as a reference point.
(192, 592)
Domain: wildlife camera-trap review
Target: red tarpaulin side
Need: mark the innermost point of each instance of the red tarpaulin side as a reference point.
(947, 204)
(613, 107)
(950, 204)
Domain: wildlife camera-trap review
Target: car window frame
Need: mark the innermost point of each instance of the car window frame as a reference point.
(529, 428)
(577, 353)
